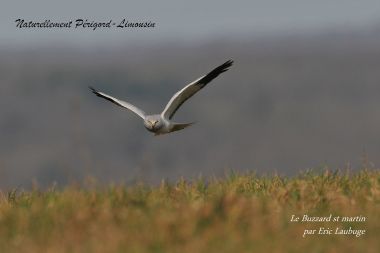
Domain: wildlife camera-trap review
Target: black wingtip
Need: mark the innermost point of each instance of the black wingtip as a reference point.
(224, 67)
(216, 72)
(94, 90)
(227, 64)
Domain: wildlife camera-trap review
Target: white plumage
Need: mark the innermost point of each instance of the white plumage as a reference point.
(161, 123)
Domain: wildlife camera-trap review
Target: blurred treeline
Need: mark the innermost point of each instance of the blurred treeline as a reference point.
(288, 103)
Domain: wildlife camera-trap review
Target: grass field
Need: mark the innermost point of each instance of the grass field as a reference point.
(238, 213)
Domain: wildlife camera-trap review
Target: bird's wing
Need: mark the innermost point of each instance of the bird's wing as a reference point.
(189, 90)
(119, 102)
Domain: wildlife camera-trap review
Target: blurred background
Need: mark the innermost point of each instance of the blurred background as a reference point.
(304, 91)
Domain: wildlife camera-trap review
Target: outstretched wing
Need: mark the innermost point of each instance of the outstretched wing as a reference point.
(119, 102)
(189, 90)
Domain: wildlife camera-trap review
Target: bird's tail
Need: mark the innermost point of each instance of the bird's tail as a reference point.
(180, 126)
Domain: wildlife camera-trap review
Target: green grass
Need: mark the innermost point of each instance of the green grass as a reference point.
(239, 213)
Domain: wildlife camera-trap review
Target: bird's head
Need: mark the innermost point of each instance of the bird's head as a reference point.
(153, 122)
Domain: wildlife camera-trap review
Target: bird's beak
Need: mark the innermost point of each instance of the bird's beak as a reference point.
(152, 124)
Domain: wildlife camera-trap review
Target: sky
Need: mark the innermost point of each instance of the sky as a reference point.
(333, 76)
(181, 20)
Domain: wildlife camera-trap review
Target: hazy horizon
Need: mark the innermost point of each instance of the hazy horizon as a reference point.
(303, 91)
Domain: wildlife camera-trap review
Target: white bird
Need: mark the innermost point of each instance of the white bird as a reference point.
(161, 123)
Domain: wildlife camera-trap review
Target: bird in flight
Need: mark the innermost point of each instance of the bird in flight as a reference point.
(161, 123)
